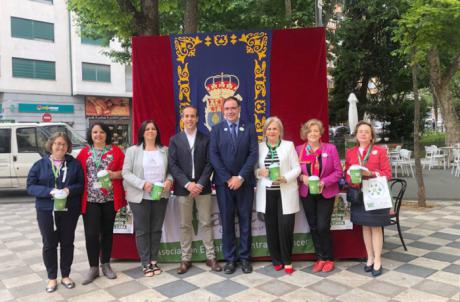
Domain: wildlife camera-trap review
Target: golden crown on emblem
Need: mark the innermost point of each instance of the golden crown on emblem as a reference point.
(221, 85)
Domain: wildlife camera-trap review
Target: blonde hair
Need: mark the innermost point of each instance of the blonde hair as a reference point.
(359, 124)
(305, 128)
(273, 119)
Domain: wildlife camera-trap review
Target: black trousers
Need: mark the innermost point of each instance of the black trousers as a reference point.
(98, 221)
(59, 231)
(280, 229)
(149, 216)
(318, 211)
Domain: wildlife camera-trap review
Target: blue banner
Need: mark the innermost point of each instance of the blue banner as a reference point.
(208, 68)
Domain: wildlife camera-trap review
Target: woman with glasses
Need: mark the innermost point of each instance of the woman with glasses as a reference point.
(57, 175)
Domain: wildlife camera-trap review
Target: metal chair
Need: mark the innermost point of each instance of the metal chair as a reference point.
(398, 188)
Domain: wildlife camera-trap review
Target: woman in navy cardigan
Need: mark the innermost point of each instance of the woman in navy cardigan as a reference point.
(55, 173)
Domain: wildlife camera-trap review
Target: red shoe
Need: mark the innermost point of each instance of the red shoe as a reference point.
(328, 266)
(278, 267)
(289, 270)
(318, 266)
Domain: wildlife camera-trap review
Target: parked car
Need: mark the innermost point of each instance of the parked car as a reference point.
(22, 144)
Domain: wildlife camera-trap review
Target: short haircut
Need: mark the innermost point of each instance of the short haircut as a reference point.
(52, 139)
(189, 106)
(361, 123)
(277, 121)
(232, 98)
(105, 128)
(140, 133)
(305, 128)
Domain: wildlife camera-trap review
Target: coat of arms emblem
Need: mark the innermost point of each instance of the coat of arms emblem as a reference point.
(219, 87)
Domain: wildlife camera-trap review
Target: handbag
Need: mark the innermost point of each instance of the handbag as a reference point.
(376, 194)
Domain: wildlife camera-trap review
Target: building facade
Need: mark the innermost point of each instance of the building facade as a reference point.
(49, 72)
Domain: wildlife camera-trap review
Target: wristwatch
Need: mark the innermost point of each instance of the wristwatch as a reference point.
(240, 178)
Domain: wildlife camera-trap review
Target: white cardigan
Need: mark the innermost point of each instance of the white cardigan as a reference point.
(133, 173)
(289, 168)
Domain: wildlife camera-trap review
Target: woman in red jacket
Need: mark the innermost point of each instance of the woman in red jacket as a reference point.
(100, 201)
(375, 159)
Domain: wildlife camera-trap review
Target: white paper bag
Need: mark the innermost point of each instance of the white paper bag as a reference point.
(376, 194)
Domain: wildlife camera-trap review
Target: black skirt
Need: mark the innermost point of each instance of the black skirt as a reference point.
(360, 216)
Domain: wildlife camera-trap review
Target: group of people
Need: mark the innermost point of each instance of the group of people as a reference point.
(233, 158)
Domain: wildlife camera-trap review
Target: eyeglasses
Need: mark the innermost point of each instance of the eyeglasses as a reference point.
(60, 144)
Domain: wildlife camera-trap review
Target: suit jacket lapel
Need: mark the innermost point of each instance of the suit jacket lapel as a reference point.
(240, 133)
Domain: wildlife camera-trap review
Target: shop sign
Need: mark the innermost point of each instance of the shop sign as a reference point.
(96, 106)
(42, 108)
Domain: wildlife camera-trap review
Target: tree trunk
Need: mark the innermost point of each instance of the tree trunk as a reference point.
(440, 83)
(421, 194)
(287, 10)
(151, 19)
(191, 16)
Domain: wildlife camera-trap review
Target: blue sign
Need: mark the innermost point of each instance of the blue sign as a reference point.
(42, 108)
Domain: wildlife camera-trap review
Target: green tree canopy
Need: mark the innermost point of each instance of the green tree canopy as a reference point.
(364, 54)
(429, 35)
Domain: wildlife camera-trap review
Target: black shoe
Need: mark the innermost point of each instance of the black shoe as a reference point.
(377, 272)
(230, 267)
(368, 268)
(246, 266)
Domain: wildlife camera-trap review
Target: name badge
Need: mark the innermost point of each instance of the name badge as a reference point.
(374, 152)
(324, 155)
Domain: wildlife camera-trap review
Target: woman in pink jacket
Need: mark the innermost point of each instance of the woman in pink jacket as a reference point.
(322, 160)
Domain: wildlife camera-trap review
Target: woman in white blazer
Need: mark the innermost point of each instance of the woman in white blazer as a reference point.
(278, 199)
(145, 164)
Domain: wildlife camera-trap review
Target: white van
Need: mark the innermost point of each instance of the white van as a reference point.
(22, 144)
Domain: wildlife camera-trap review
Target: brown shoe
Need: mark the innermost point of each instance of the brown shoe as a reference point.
(214, 265)
(183, 267)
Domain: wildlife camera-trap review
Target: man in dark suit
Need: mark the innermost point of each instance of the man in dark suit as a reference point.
(188, 162)
(233, 152)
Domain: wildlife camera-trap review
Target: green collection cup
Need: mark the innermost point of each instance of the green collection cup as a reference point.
(157, 190)
(313, 185)
(60, 201)
(104, 179)
(274, 171)
(355, 174)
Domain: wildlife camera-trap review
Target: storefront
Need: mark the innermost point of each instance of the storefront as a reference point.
(114, 112)
(27, 108)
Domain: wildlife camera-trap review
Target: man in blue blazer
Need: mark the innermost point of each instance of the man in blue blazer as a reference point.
(233, 154)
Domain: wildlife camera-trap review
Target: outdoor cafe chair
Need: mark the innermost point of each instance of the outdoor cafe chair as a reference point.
(456, 164)
(404, 162)
(398, 188)
(434, 157)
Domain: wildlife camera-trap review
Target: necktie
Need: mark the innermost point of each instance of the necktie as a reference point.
(233, 132)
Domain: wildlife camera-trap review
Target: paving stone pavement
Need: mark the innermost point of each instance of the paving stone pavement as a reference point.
(428, 271)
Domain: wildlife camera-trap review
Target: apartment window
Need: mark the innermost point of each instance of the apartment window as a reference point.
(31, 29)
(44, 1)
(95, 72)
(34, 69)
(129, 78)
(92, 41)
